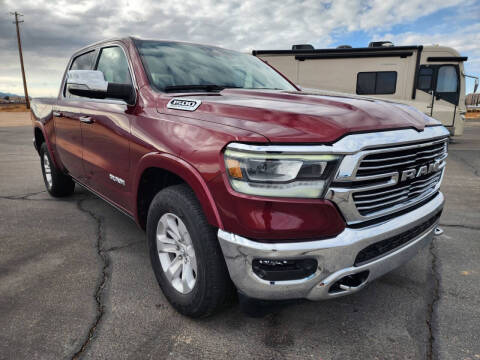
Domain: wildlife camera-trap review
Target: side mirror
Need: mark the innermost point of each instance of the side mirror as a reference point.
(92, 84)
(475, 86)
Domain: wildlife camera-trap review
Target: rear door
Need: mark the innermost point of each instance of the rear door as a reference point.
(105, 128)
(67, 124)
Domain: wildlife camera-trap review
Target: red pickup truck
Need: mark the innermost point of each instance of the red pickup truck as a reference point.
(240, 179)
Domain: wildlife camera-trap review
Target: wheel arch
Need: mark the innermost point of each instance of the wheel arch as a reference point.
(176, 169)
(40, 136)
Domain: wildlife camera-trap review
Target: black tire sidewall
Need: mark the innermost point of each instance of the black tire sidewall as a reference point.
(62, 185)
(171, 200)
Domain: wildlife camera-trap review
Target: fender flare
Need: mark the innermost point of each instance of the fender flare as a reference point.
(39, 125)
(186, 172)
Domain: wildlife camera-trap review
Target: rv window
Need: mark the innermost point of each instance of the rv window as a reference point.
(366, 83)
(386, 82)
(381, 82)
(425, 77)
(447, 83)
(447, 80)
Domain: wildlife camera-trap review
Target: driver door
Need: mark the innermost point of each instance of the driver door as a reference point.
(105, 127)
(67, 122)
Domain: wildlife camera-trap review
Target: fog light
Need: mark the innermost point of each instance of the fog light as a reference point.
(284, 269)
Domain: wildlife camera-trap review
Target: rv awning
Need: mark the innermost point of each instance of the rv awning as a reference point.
(447, 58)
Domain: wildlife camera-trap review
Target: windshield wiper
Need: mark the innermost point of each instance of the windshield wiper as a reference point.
(206, 87)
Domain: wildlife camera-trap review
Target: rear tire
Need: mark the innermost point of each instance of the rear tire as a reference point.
(57, 183)
(185, 254)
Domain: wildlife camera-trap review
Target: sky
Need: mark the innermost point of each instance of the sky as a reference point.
(54, 29)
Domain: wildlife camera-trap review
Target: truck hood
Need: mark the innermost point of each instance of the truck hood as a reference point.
(298, 116)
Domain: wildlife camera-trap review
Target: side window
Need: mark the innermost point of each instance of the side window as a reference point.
(114, 65)
(386, 82)
(81, 62)
(376, 83)
(84, 61)
(366, 83)
(425, 78)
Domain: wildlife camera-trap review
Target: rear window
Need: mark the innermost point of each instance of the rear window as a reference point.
(376, 83)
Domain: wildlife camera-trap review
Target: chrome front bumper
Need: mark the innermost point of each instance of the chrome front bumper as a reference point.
(335, 257)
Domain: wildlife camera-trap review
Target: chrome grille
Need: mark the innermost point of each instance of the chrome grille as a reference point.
(379, 164)
(375, 187)
(404, 158)
(368, 202)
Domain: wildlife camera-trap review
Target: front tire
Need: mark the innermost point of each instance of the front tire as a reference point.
(57, 183)
(185, 254)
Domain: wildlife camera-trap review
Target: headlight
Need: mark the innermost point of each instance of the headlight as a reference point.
(279, 175)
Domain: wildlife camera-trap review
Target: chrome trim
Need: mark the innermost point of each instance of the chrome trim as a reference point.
(354, 208)
(350, 164)
(86, 119)
(335, 256)
(353, 143)
(377, 199)
(104, 101)
(347, 204)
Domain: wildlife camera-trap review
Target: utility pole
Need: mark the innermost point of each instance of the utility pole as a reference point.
(16, 22)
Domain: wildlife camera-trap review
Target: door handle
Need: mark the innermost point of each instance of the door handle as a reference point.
(86, 119)
(57, 114)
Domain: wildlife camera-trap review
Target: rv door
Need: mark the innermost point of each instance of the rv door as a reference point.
(439, 87)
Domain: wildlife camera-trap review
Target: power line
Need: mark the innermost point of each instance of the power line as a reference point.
(16, 22)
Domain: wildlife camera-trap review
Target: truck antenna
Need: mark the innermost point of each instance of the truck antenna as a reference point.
(16, 22)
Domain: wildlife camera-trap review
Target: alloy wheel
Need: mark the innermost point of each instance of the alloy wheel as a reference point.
(176, 253)
(48, 171)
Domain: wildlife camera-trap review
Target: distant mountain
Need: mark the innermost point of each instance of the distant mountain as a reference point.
(2, 94)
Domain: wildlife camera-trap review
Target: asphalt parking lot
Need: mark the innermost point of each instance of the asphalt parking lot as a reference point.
(76, 282)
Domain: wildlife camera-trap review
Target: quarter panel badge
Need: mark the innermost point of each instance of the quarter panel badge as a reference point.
(116, 179)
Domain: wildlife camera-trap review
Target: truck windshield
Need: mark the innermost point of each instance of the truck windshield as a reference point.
(174, 66)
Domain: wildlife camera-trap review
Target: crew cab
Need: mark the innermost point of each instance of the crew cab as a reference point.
(240, 179)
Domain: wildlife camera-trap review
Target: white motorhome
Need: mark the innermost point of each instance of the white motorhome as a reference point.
(430, 78)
